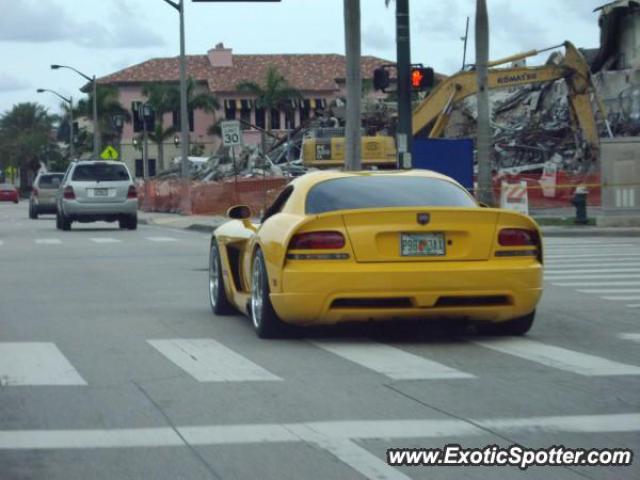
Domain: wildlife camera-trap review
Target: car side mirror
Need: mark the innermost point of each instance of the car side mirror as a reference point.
(239, 212)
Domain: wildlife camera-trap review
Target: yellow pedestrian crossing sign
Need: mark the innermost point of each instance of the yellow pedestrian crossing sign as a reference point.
(109, 153)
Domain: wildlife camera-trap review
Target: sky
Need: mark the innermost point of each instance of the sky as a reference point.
(103, 36)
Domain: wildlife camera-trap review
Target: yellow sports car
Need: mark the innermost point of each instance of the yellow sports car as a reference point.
(360, 246)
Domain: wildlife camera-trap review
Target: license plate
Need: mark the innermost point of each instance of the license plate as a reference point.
(100, 192)
(422, 244)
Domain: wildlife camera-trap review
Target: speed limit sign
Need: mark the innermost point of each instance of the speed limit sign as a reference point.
(231, 135)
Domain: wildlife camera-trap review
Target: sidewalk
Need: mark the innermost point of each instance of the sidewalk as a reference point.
(208, 223)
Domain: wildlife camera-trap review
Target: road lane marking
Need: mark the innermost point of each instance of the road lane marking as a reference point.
(563, 270)
(634, 337)
(634, 305)
(598, 284)
(48, 241)
(162, 239)
(207, 360)
(592, 262)
(390, 361)
(321, 432)
(612, 276)
(1, 243)
(595, 255)
(35, 363)
(105, 240)
(558, 357)
(610, 290)
(622, 298)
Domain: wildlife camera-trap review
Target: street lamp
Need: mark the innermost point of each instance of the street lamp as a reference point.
(96, 130)
(70, 102)
(117, 122)
(184, 119)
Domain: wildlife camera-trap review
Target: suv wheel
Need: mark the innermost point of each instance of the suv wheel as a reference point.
(33, 213)
(65, 222)
(128, 222)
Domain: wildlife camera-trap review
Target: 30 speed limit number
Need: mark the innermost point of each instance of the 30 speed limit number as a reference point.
(231, 135)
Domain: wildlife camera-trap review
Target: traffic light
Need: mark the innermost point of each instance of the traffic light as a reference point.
(381, 79)
(422, 78)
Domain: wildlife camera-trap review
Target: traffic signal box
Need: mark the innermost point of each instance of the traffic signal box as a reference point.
(421, 78)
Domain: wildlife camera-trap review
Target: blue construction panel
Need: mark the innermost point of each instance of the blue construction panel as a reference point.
(449, 157)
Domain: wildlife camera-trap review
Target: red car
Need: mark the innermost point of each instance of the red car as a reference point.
(8, 193)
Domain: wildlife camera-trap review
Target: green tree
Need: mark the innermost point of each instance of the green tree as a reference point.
(108, 107)
(25, 134)
(274, 93)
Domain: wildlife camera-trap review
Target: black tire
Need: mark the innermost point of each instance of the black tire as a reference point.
(517, 326)
(58, 221)
(265, 320)
(65, 222)
(218, 300)
(133, 222)
(33, 213)
(15, 201)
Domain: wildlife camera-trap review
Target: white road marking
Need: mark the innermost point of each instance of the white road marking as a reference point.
(598, 284)
(105, 240)
(558, 357)
(612, 276)
(390, 361)
(1, 243)
(48, 241)
(613, 248)
(209, 361)
(563, 270)
(634, 305)
(610, 290)
(592, 262)
(622, 298)
(634, 337)
(35, 363)
(321, 433)
(594, 255)
(162, 239)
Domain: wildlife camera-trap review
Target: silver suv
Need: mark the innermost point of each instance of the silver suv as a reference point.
(43, 194)
(97, 190)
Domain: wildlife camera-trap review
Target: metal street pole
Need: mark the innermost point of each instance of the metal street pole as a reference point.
(184, 114)
(70, 102)
(97, 147)
(483, 145)
(353, 140)
(403, 40)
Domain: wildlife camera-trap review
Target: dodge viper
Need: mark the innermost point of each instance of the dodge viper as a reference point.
(365, 246)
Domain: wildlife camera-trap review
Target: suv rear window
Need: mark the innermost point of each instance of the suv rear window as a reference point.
(46, 181)
(353, 193)
(100, 172)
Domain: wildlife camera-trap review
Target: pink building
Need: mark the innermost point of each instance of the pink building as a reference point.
(319, 78)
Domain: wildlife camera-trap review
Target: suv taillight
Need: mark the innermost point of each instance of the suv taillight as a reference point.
(68, 193)
(317, 241)
(132, 193)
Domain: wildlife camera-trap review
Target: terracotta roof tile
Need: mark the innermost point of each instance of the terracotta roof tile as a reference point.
(307, 72)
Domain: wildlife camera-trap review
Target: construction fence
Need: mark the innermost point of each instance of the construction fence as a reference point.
(214, 198)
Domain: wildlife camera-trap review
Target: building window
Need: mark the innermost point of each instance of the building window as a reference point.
(245, 117)
(140, 167)
(138, 125)
(275, 119)
(260, 118)
(305, 111)
(176, 120)
(289, 119)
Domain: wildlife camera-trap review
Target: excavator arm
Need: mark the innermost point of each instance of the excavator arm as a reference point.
(432, 115)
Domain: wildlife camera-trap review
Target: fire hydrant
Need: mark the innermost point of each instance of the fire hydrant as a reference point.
(579, 201)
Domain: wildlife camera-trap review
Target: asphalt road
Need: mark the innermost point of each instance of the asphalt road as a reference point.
(113, 367)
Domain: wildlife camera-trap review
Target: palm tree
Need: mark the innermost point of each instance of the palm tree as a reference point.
(162, 98)
(108, 107)
(274, 95)
(25, 132)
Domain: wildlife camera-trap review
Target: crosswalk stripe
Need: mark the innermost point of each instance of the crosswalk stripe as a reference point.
(634, 305)
(591, 270)
(595, 255)
(558, 357)
(590, 263)
(584, 249)
(105, 240)
(390, 361)
(634, 337)
(623, 298)
(606, 291)
(207, 360)
(162, 239)
(48, 241)
(619, 276)
(35, 363)
(598, 284)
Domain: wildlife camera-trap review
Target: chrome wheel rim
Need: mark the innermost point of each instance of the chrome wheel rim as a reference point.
(213, 276)
(256, 292)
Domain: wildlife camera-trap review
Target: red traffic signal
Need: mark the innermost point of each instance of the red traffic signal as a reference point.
(422, 78)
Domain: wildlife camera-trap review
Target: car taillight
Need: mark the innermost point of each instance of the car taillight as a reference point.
(317, 241)
(518, 237)
(68, 193)
(132, 193)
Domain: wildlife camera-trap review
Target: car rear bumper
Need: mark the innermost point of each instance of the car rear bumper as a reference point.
(491, 291)
(78, 210)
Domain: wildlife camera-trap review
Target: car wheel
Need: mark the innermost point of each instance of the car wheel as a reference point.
(15, 201)
(132, 223)
(265, 320)
(33, 213)
(65, 223)
(123, 222)
(218, 300)
(517, 326)
(58, 221)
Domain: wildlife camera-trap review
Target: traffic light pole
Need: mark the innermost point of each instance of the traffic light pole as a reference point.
(404, 132)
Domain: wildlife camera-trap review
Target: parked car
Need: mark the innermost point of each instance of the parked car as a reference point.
(362, 246)
(9, 193)
(94, 191)
(43, 194)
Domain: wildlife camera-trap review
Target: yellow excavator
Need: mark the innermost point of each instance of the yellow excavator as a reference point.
(432, 115)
